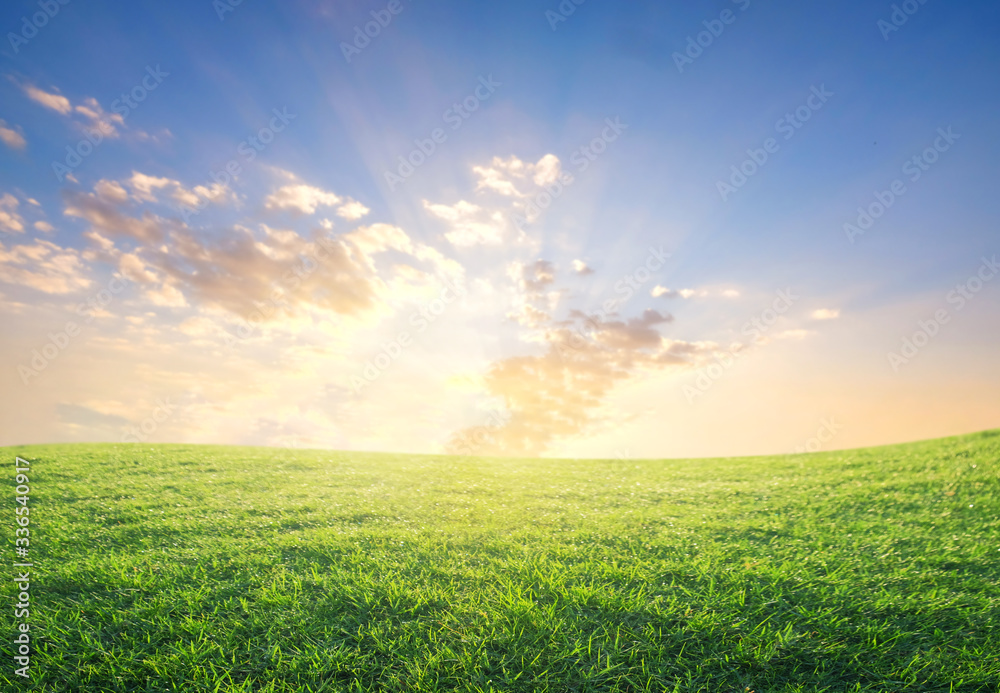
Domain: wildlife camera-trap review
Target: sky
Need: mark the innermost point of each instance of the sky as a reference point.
(576, 229)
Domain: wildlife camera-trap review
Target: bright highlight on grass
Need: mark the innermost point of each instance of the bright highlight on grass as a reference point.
(196, 568)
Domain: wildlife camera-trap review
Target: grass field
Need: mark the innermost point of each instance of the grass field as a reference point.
(200, 568)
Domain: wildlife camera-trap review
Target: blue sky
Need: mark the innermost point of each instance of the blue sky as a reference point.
(556, 84)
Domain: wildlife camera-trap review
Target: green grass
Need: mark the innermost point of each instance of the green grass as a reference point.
(202, 568)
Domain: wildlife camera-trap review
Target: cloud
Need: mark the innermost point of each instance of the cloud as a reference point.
(56, 102)
(238, 269)
(794, 334)
(662, 291)
(546, 171)
(536, 276)
(10, 220)
(300, 198)
(825, 314)
(469, 223)
(659, 291)
(635, 333)
(134, 269)
(103, 209)
(503, 175)
(44, 226)
(111, 190)
(43, 266)
(508, 186)
(12, 137)
(146, 188)
(280, 273)
(166, 295)
(528, 315)
(352, 210)
(581, 268)
(143, 187)
(560, 393)
(90, 115)
(104, 122)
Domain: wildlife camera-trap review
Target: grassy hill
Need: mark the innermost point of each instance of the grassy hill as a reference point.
(204, 568)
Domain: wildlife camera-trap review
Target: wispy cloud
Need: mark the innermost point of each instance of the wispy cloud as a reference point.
(10, 220)
(51, 100)
(12, 137)
(43, 266)
(826, 314)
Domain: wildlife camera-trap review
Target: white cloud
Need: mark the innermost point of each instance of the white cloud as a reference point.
(469, 223)
(144, 187)
(10, 220)
(581, 267)
(352, 210)
(826, 314)
(166, 295)
(546, 171)
(44, 226)
(298, 197)
(56, 102)
(11, 137)
(134, 269)
(99, 119)
(659, 291)
(43, 266)
(501, 175)
(301, 198)
(87, 115)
